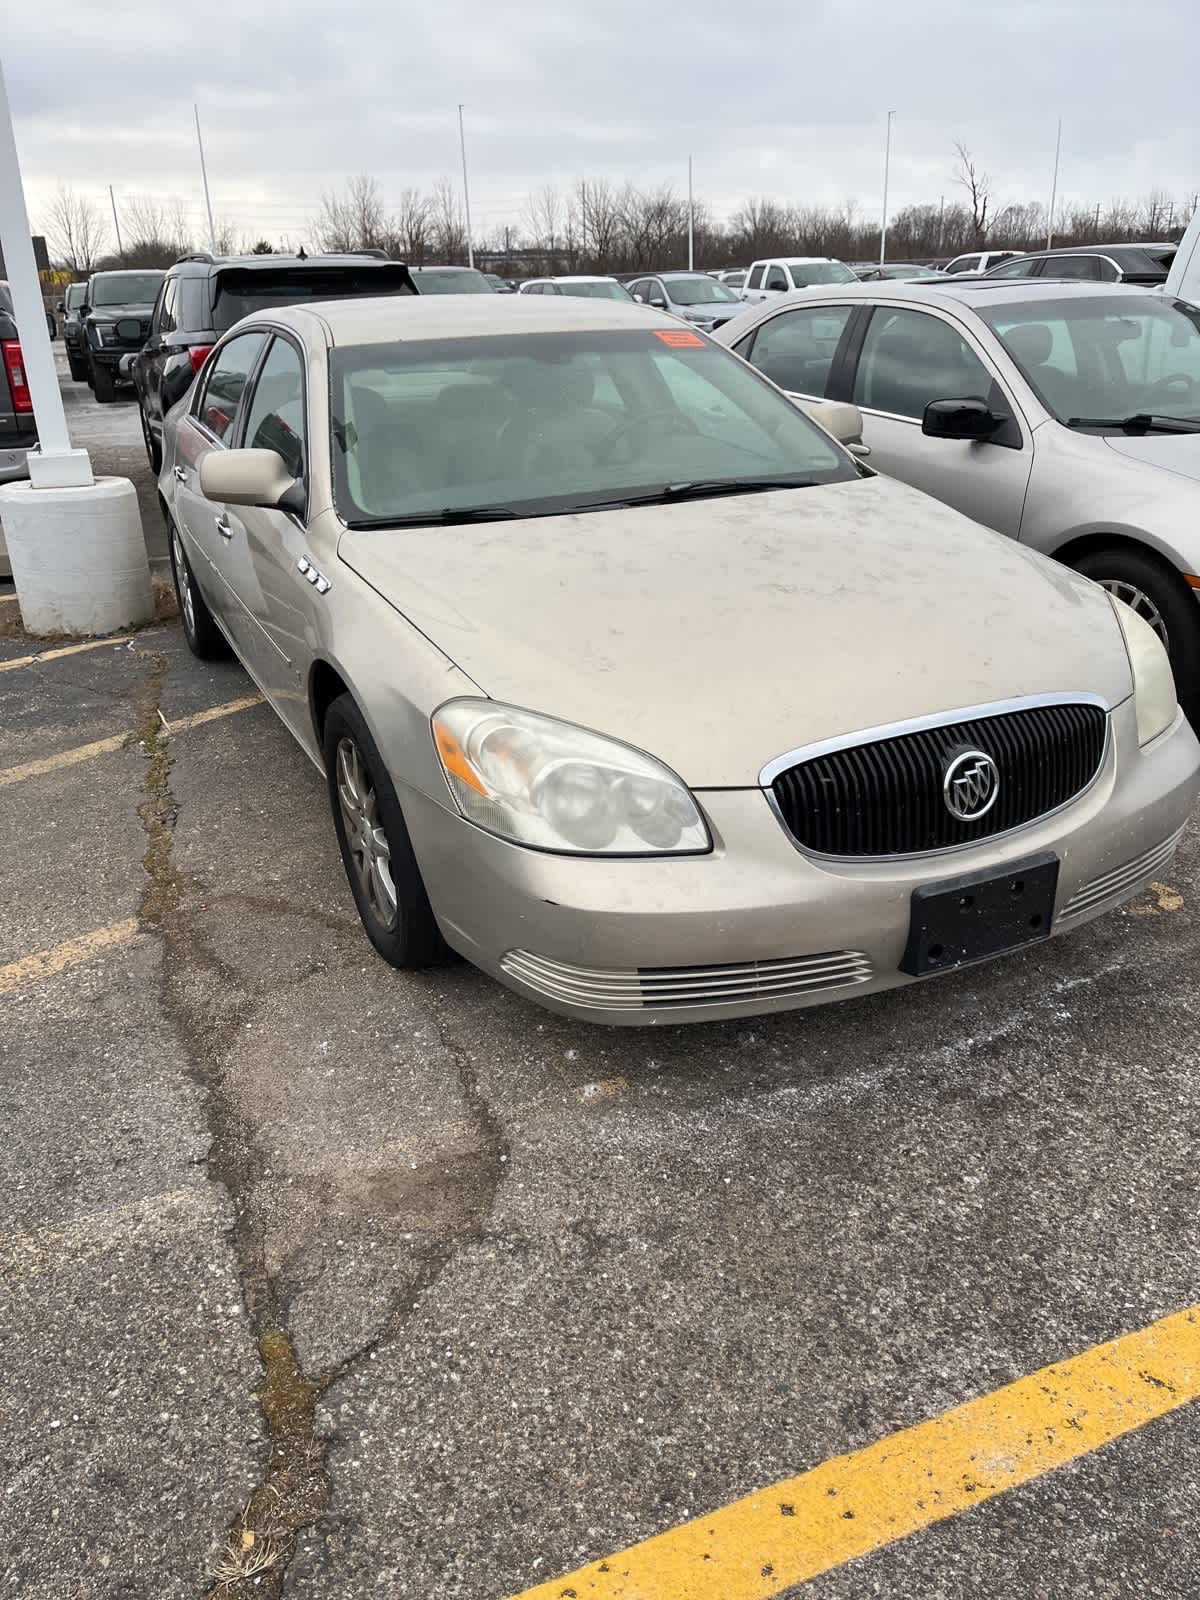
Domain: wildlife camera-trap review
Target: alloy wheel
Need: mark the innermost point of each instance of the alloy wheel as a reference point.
(183, 583)
(366, 839)
(1138, 600)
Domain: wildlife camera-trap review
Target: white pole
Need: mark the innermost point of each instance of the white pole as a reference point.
(887, 163)
(691, 221)
(462, 145)
(1054, 189)
(116, 225)
(212, 232)
(36, 353)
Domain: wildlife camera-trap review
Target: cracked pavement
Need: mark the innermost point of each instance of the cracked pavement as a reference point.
(438, 1295)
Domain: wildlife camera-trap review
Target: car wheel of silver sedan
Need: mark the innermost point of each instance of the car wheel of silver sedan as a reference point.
(376, 851)
(1160, 597)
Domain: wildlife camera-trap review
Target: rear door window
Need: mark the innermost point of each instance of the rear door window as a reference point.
(796, 350)
(220, 400)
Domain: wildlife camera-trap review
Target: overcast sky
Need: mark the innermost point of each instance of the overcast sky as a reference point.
(787, 101)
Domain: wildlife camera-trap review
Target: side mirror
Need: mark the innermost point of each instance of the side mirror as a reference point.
(61, 308)
(960, 419)
(245, 477)
(639, 299)
(843, 421)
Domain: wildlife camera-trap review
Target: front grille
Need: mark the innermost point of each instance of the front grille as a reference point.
(631, 988)
(1121, 882)
(884, 797)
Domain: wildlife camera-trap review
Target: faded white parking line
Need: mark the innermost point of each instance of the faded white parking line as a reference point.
(144, 1221)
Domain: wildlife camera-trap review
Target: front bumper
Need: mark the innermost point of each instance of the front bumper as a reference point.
(111, 356)
(758, 926)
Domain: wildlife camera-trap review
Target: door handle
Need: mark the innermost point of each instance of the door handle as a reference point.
(224, 529)
(180, 474)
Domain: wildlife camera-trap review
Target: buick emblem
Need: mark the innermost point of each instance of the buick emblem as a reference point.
(971, 785)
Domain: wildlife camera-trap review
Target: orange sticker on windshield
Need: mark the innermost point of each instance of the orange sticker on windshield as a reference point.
(679, 338)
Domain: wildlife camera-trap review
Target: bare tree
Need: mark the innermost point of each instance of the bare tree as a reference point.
(979, 190)
(353, 219)
(411, 227)
(447, 230)
(75, 230)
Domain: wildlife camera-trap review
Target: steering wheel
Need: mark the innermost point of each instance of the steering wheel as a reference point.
(679, 424)
(1175, 386)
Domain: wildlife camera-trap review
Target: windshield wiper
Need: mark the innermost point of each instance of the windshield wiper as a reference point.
(450, 514)
(697, 489)
(1140, 422)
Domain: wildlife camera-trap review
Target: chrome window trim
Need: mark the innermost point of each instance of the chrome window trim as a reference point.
(996, 708)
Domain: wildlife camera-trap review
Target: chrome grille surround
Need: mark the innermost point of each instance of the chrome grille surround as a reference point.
(649, 988)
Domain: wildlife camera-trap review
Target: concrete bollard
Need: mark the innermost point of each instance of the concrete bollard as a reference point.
(78, 556)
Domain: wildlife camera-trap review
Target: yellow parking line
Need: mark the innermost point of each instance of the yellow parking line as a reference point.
(102, 747)
(64, 650)
(846, 1507)
(48, 963)
(8, 599)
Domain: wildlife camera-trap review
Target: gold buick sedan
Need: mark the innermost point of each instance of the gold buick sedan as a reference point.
(634, 685)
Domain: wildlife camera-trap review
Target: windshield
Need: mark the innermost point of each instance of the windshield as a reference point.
(126, 289)
(243, 290)
(807, 273)
(547, 423)
(596, 291)
(431, 280)
(699, 292)
(1105, 356)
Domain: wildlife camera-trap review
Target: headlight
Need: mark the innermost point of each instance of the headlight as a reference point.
(1153, 682)
(550, 784)
(103, 332)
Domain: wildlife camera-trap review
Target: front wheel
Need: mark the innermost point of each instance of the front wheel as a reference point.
(78, 367)
(205, 639)
(103, 386)
(1160, 597)
(376, 850)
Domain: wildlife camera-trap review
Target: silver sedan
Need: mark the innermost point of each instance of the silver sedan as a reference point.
(634, 686)
(1064, 415)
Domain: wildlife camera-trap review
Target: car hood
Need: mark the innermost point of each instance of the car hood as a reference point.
(718, 634)
(1173, 452)
(133, 308)
(715, 311)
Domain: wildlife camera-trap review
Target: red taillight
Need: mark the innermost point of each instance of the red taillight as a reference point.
(199, 355)
(14, 365)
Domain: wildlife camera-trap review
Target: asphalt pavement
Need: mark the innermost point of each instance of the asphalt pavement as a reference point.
(394, 1285)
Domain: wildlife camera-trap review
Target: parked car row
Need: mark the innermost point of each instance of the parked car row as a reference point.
(918, 746)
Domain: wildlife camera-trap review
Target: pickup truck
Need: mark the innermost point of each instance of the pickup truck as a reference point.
(116, 322)
(781, 274)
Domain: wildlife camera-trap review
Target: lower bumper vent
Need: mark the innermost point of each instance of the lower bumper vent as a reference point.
(1121, 881)
(653, 987)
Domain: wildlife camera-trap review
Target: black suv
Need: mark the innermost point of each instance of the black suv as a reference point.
(73, 311)
(202, 296)
(1146, 265)
(116, 320)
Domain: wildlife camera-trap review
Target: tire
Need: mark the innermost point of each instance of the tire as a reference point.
(390, 895)
(1158, 594)
(78, 366)
(103, 386)
(153, 447)
(205, 639)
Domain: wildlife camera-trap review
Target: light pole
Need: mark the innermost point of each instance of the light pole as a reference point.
(1054, 188)
(116, 224)
(887, 165)
(691, 221)
(212, 232)
(462, 145)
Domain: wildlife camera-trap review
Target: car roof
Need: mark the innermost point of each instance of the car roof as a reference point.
(433, 268)
(937, 291)
(398, 317)
(202, 261)
(797, 261)
(677, 273)
(577, 277)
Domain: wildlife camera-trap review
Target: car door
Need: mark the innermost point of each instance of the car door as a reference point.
(657, 296)
(149, 361)
(775, 282)
(753, 292)
(906, 360)
(274, 621)
(210, 424)
(797, 349)
(1085, 269)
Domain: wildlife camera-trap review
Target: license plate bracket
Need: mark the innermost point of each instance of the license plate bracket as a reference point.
(960, 920)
